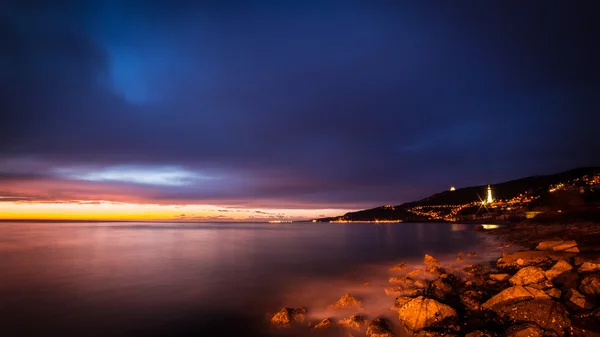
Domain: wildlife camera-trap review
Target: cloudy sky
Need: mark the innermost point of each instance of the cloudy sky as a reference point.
(202, 110)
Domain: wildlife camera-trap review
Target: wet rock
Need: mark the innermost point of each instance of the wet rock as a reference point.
(459, 259)
(542, 285)
(567, 280)
(513, 295)
(430, 260)
(471, 254)
(287, 317)
(527, 275)
(559, 268)
(379, 327)
(411, 291)
(472, 299)
(440, 288)
(530, 258)
(399, 267)
(559, 245)
(587, 267)
(481, 333)
(554, 293)
(355, 322)
(434, 270)
(475, 269)
(347, 302)
(525, 330)
(400, 301)
(499, 277)
(576, 301)
(421, 313)
(590, 285)
(415, 273)
(367, 284)
(548, 314)
(324, 324)
(421, 284)
(400, 280)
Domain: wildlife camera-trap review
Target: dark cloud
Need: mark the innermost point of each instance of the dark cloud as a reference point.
(298, 103)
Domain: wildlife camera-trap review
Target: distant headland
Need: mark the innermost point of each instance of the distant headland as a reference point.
(575, 193)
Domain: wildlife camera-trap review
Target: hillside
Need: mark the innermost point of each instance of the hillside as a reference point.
(521, 194)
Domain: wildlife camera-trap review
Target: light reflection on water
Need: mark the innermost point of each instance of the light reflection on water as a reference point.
(129, 279)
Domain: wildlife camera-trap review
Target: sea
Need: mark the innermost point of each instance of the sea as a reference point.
(205, 279)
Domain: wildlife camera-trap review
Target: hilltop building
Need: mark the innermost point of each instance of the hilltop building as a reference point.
(490, 199)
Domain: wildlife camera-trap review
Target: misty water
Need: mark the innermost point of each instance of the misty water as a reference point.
(174, 279)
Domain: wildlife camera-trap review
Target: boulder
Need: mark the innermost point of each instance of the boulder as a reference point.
(430, 260)
(357, 322)
(590, 285)
(287, 317)
(542, 285)
(513, 295)
(471, 299)
(530, 258)
(528, 275)
(569, 279)
(440, 288)
(554, 293)
(324, 324)
(588, 267)
(559, 268)
(379, 327)
(347, 302)
(421, 313)
(548, 314)
(434, 270)
(499, 277)
(421, 284)
(559, 246)
(399, 267)
(525, 330)
(400, 301)
(411, 291)
(576, 301)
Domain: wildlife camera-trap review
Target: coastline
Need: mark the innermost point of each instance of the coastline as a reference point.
(553, 290)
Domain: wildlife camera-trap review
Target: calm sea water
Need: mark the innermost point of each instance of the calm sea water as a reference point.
(173, 279)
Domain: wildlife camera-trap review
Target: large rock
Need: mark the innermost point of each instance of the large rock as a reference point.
(430, 260)
(415, 273)
(287, 317)
(548, 314)
(324, 324)
(559, 246)
(559, 268)
(513, 295)
(471, 299)
(587, 267)
(590, 285)
(576, 301)
(421, 313)
(434, 270)
(357, 322)
(528, 275)
(400, 301)
(440, 288)
(425, 333)
(347, 302)
(411, 291)
(554, 293)
(569, 279)
(518, 260)
(525, 330)
(379, 327)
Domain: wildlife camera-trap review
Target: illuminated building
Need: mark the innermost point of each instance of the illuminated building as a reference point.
(489, 195)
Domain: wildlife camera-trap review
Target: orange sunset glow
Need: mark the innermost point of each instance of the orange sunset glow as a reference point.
(113, 211)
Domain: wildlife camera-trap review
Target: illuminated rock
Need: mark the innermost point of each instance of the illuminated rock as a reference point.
(575, 300)
(527, 276)
(287, 317)
(590, 285)
(559, 268)
(430, 260)
(399, 267)
(356, 322)
(548, 314)
(347, 302)
(525, 330)
(513, 295)
(379, 327)
(499, 277)
(324, 324)
(421, 313)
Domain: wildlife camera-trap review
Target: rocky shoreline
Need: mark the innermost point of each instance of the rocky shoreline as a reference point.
(548, 288)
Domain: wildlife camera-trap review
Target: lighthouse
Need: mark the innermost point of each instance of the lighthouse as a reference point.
(489, 195)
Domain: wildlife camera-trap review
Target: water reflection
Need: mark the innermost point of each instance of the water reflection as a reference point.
(99, 279)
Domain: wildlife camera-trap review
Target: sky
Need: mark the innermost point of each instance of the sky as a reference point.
(259, 110)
